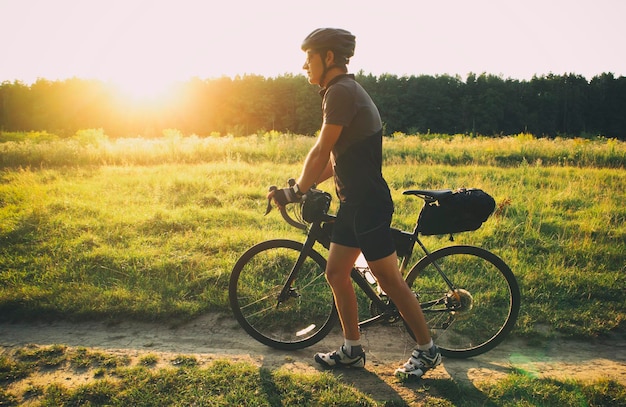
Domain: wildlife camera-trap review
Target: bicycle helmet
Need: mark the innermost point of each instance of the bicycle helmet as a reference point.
(341, 42)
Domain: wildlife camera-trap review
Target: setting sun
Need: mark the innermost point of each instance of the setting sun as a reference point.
(142, 90)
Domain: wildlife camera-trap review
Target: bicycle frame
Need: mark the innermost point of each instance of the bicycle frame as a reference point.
(388, 309)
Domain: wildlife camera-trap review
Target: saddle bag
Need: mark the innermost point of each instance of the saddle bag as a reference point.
(463, 210)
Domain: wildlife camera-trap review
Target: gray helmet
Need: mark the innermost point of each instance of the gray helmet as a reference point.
(341, 42)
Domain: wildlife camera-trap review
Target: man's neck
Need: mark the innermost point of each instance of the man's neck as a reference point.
(332, 74)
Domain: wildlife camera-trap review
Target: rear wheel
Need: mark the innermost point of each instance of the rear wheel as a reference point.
(480, 310)
(256, 281)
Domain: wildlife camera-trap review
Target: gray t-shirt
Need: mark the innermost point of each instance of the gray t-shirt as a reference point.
(357, 155)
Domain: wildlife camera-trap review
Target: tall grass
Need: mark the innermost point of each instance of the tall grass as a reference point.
(150, 229)
(507, 151)
(93, 147)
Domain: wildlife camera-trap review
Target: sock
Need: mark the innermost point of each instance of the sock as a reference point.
(426, 346)
(349, 345)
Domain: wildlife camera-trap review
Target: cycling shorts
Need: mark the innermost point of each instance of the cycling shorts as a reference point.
(365, 227)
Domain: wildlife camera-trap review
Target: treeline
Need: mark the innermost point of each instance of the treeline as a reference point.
(552, 105)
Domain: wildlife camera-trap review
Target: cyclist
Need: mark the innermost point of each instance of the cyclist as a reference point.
(349, 148)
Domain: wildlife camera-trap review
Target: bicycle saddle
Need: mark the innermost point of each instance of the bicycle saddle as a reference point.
(429, 195)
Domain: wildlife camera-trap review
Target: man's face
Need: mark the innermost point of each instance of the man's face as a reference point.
(313, 66)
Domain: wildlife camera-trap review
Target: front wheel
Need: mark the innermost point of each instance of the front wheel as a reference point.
(478, 311)
(257, 279)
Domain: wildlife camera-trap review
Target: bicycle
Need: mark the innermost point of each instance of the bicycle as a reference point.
(279, 295)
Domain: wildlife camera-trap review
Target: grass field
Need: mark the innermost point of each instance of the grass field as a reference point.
(149, 229)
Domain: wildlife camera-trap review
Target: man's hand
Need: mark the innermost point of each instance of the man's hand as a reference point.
(284, 196)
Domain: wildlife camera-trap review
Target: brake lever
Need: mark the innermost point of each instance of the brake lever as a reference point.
(269, 200)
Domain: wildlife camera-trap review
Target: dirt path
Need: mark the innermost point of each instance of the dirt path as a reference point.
(214, 336)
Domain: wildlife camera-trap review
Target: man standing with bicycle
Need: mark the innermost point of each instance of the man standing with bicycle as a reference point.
(349, 148)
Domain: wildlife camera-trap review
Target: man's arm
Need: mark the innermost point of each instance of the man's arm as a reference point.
(317, 165)
(327, 173)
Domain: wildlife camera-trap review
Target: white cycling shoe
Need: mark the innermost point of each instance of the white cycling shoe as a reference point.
(419, 363)
(340, 358)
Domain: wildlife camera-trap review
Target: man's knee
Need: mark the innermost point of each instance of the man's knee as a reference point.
(337, 277)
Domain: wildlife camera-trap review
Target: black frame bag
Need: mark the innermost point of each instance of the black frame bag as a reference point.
(315, 205)
(463, 210)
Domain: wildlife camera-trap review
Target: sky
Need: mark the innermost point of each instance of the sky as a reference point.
(143, 45)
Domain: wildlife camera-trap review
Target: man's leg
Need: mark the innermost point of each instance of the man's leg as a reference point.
(340, 262)
(388, 275)
(426, 356)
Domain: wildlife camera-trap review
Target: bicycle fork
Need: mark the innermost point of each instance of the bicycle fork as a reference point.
(289, 291)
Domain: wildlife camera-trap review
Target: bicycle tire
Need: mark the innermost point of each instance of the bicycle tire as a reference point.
(255, 283)
(486, 308)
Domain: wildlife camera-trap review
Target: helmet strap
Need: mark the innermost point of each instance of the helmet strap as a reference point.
(326, 67)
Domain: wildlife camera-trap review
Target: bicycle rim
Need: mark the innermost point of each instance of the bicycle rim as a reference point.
(256, 281)
(480, 312)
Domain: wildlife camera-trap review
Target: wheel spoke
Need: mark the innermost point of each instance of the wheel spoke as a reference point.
(306, 314)
(481, 310)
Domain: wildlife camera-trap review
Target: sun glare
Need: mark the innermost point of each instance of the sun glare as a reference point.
(143, 90)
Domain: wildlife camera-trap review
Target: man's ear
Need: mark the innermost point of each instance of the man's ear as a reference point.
(330, 58)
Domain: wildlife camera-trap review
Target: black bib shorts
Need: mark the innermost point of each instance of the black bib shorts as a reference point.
(365, 227)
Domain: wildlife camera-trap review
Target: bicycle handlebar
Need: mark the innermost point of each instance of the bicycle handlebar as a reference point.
(283, 212)
(290, 220)
(426, 195)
